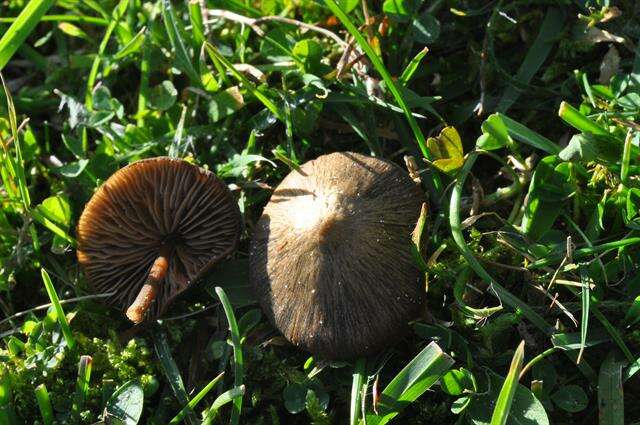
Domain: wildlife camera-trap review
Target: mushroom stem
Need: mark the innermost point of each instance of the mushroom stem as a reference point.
(149, 290)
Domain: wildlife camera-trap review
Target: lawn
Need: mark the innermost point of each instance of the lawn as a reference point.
(518, 120)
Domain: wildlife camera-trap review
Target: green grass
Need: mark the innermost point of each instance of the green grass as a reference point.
(531, 232)
(500, 414)
(20, 29)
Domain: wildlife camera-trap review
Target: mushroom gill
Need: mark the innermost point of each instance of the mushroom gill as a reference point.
(152, 229)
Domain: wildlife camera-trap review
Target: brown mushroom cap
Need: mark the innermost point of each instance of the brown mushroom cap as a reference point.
(152, 228)
(331, 255)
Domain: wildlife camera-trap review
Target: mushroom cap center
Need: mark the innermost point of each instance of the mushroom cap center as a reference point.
(322, 214)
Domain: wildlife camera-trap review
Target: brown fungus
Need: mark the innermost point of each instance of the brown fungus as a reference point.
(152, 229)
(331, 255)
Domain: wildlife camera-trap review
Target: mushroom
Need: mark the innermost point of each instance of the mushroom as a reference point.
(331, 256)
(152, 229)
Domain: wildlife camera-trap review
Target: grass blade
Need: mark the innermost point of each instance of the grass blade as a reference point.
(172, 373)
(62, 319)
(44, 404)
(21, 28)
(356, 391)
(626, 155)
(612, 330)
(82, 384)
(16, 165)
(197, 25)
(51, 226)
(505, 398)
(411, 68)
(550, 28)
(183, 61)
(610, 393)
(80, 19)
(7, 412)
(195, 400)
(584, 299)
(456, 230)
(238, 360)
(528, 136)
(459, 289)
(143, 91)
(215, 55)
(577, 120)
(584, 252)
(391, 84)
(413, 380)
(221, 400)
(120, 9)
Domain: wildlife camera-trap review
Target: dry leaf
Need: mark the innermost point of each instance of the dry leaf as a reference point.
(596, 35)
(609, 66)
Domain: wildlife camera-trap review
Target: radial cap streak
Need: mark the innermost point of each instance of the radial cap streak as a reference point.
(331, 255)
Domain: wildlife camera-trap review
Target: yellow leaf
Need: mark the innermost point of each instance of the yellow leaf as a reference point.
(72, 30)
(446, 150)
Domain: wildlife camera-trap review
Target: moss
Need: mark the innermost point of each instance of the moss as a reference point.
(111, 363)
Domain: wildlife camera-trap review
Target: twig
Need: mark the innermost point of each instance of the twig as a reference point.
(235, 17)
(381, 131)
(479, 109)
(304, 25)
(502, 265)
(20, 128)
(554, 301)
(45, 306)
(254, 23)
(191, 314)
(341, 66)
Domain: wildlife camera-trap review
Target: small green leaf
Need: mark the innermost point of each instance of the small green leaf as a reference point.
(496, 134)
(309, 50)
(571, 398)
(548, 189)
(125, 405)
(400, 10)
(460, 404)
(295, 397)
(74, 144)
(268, 7)
(632, 203)
(225, 103)
(56, 209)
(277, 45)
(163, 96)
(457, 381)
(73, 169)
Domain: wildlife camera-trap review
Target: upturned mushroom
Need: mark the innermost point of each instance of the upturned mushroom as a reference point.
(153, 228)
(331, 255)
